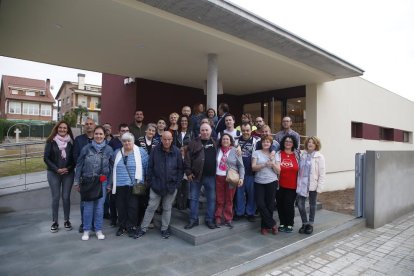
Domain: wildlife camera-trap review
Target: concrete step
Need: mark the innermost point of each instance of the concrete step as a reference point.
(202, 234)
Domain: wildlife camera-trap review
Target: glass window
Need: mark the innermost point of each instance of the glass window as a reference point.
(276, 120)
(45, 110)
(30, 109)
(15, 92)
(253, 108)
(296, 110)
(30, 93)
(15, 108)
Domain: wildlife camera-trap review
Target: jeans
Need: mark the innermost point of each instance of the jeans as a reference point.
(209, 183)
(245, 200)
(93, 211)
(265, 194)
(60, 183)
(312, 207)
(154, 201)
(285, 199)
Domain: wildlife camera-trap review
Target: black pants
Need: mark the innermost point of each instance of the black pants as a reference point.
(285, 199)
(129, 207)
(265, 194)
(112, 208)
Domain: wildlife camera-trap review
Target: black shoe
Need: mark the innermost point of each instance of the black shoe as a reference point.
(228, 224)
(121, 231)
(113, 223)
(302, 229)
(68, 225)
(55, 227)
(308, 229)
(81, 228)
(191, 224)
(237, 217)
(165, 234)
(132, 231)
(139, 234)
(210, 225)
(251, 218)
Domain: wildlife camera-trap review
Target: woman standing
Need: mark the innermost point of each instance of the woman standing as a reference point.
(93, 161)
(310, 181)
(226, 159)
(148, 141)
(285, 197)
(173, 123)
(265, 182)
(211, 114)
(58, 157)
(184, 134)
(129, 168)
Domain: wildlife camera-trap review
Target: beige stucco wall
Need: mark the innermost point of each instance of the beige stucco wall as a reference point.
(330, 109)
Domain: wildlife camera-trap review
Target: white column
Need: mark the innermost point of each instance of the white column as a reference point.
(212, 80)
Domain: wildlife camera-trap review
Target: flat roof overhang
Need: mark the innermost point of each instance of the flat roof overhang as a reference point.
(166, 41)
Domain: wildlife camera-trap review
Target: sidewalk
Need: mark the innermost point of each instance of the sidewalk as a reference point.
(16, 183)
(388, 250)
(28, 248)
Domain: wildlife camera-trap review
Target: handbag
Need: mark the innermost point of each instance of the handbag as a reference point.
(137, 188)
(232, 177)
(91, 186)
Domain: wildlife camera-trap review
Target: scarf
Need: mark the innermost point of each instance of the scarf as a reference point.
(62, 142)
(304, 174)
(139, 170)
(98, 147)
(222, 164)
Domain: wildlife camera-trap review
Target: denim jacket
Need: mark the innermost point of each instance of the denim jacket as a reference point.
(89, 163)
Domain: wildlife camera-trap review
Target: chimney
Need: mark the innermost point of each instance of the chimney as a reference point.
(81, 81)
(47, 84)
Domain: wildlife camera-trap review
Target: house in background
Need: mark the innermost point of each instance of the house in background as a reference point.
(24, 99)
(73, 95)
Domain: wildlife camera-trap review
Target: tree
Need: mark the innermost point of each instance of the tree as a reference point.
(70, 118)
(80, 111)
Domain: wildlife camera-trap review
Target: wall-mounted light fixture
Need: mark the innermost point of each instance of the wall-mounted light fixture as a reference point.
(128, 80)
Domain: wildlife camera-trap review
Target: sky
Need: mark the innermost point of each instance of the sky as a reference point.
(374, 35)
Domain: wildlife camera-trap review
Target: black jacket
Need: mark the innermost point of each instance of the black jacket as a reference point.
(194, 158)
(53, 159)
(165, 170)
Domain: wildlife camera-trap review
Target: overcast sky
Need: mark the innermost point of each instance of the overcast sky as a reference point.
(374, 35)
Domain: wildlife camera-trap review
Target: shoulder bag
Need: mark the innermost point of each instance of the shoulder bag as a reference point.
(137, 188)
(91, 186)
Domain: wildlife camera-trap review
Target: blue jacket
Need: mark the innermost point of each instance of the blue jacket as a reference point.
(165, 170)
(89, 162)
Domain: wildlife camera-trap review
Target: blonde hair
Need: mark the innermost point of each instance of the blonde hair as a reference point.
(315, 140)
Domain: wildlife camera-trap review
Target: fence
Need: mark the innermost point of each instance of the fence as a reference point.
(18, 159)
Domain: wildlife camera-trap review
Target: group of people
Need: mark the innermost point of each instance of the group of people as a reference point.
(148, 165)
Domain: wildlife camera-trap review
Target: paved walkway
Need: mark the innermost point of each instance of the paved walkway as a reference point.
(17, 183)
(388, 250)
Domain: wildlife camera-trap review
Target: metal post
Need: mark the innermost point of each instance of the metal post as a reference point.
(359, 181)
(25, 167)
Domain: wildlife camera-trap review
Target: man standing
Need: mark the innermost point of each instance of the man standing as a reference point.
(229, 121)
(186, 110)
(108, 132)
(286, 129)
(116, 143)
(259, 124)
(78, 144)
(223, 109)
(165, 172)
(200, 168)
(245, 200)
(137, 128)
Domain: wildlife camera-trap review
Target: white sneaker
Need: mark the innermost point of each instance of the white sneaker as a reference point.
(100, 235)
(85, 236)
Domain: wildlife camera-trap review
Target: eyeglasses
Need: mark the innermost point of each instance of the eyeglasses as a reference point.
(259, 121)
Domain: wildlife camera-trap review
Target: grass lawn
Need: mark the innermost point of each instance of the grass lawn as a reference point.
(17, 167)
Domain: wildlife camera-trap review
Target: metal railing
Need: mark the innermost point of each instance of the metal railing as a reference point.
(19, 154)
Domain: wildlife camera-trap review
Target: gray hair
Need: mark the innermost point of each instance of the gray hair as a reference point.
(151, 125)
(127, 136)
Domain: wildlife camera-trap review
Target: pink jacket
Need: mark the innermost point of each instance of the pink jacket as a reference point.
(317, 175)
